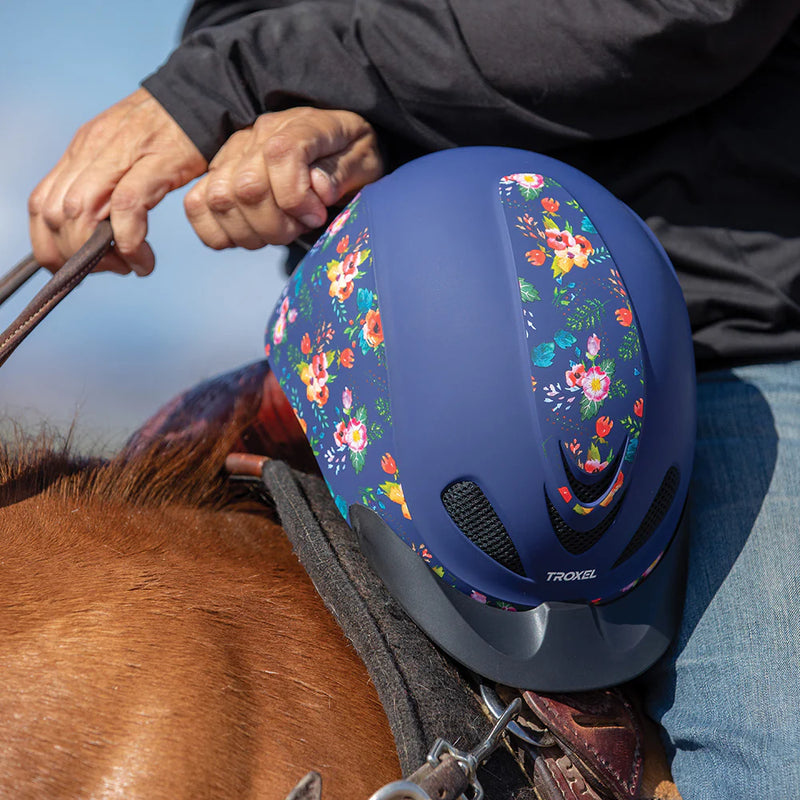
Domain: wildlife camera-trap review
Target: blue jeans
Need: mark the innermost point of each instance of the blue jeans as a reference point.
(728, 691)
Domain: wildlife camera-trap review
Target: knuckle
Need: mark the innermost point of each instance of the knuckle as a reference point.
(293, 202)
(250, 188)
(264, 123)
(53, 216)
(253, 244)
(123, 199)
(126, 247)
(73, 204)
(217, 240)
(279, 146)
(36, 202)
(220, 198)
(193, 203)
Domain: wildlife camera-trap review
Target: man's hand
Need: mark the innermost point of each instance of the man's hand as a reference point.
(119, 164)
(273, 181)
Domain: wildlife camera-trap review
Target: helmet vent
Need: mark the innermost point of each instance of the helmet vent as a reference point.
(591, 492)
(655, 514)
(577, 542)
(472, 512)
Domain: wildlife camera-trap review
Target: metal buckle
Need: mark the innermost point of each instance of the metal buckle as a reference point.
(468, 761)
(494, 706)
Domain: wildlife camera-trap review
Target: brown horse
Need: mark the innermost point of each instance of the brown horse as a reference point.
(159, 638)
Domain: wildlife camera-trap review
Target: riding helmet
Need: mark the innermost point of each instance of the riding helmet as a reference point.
(491, 359)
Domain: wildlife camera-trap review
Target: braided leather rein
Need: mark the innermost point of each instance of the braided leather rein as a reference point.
(54, 291)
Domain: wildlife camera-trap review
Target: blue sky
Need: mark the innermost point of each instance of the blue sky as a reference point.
(117, 348)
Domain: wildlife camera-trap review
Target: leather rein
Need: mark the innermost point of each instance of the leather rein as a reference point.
(54, 291)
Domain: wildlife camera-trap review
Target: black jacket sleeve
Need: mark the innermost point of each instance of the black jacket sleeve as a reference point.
(436, 73)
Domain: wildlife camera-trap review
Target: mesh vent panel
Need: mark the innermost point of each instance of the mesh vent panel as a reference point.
(655, 514)
(472, 512)
(577, 542)
(589, 493)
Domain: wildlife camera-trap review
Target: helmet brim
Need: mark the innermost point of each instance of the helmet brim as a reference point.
(554, 647)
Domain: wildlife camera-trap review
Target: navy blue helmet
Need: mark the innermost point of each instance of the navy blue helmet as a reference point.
(491, 358)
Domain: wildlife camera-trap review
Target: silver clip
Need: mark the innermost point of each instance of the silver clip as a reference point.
(494, 705)
(470, 761)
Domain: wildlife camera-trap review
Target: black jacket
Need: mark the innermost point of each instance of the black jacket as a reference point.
(689, 111)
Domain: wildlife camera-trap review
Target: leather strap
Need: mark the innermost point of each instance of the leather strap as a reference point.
(445, 781)
(54, 291)
(598, 746)
(601, 735)
(17, 276)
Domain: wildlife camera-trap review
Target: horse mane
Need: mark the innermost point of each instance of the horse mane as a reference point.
(188, 472)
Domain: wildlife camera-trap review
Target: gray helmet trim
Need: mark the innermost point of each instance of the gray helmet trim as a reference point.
(554, 647)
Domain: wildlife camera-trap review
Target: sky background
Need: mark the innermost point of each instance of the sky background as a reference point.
(117, 347)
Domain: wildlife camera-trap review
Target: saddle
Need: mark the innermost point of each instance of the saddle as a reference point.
(581, 746)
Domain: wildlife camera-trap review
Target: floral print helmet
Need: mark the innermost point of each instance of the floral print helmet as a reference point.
(491, 358)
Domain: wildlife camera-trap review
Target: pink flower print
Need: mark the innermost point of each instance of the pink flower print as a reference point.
(592, 346)
(528, 180)
(341, 275)
(352, 434)
(357, 436)
(594, 465)
(339, 222)
(479, 596)
(558, 240)
(340, 433)
(347, 399)
(574, 375)
(319, 367)
(279, 331)
(595, 384)
(315, 376)
(569, 251)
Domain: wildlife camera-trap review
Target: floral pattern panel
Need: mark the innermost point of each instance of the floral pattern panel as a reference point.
(325, 345)
(586, 365)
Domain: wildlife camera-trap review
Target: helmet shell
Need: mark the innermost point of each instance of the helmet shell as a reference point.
(491, 357)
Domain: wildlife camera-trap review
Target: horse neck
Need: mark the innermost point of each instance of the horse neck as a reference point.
(173, 652)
